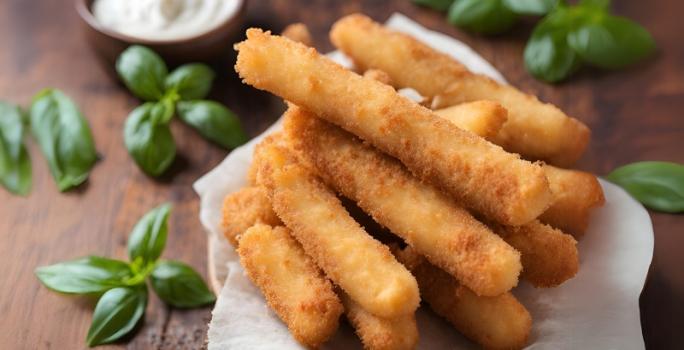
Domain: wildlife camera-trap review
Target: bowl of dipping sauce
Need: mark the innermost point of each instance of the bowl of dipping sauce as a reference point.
(179, 30)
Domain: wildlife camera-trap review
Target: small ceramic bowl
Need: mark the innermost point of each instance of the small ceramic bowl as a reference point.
(206, 47)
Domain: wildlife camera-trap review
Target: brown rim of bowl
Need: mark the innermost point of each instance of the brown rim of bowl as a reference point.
(84, 11)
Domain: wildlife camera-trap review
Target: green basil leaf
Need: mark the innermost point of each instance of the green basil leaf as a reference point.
(179, 285)
(148, 238)
(143, 72)
(87, 275)
(439, 5)
(596, 4)
(116, 313)
(148, 137)
(15, 163)
(64, 137)
(191, 81)
(482, 16)
(214, 121)
(547, 54)
(657, 185)
(611, 42)
(530, 7)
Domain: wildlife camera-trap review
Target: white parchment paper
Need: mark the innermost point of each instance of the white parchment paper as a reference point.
(598, 309)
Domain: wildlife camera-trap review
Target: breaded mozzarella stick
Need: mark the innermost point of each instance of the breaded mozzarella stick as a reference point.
(291, 283)
(537, 130)
(575, 194)
(243, 209)
(481, 175)
(483, 118)
(549, 256)
(499, 322)
(420, 214)
(378, 333)
(363, 267)
(298, 32)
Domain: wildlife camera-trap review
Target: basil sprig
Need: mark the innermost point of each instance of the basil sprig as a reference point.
(568, 37)
(64, 137)
(121, 286)
(15, 163)
(213, 121)
(657, 185)
(147, 134)
(179, 285)
(148, 137)
(116, 313)
(143, 72)
(482, 16)
(191, 81)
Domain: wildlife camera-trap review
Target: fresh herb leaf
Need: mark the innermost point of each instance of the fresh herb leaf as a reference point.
(214, 121)
(482, 16)
(530, 7)
(116, 313)
(143, 72)
(547, 54)
(179, 285)
(611, 42)
(15, 163)
(87, 275)
(596, 4)
(439, 5)
(64, 137)
(148, 137)
(657, 185)
(191, 81)
(148, 238)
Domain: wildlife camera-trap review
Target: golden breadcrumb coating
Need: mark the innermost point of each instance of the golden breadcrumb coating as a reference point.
(575, 194)
(537, 130)
(425, 218)
(244, 208)
(292, 284)
(479, 174)
(499, 322)
(378, 333)
(406, 60)
(483, 118)
(378, 75)
(363, 267)
(298, 32)
(549, 256)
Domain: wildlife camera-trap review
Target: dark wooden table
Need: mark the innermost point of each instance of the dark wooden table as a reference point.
(634, 114)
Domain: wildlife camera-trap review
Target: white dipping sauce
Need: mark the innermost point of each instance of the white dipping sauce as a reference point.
(163, 19)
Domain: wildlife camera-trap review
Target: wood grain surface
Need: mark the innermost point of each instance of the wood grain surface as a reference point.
(635, 115)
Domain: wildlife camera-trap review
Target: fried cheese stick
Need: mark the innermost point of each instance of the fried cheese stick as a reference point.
(549, 256)
(499, 322)
(243, 209)
(298, 32)
(378, 333)
(378, 75)
(575, 194)
(481, 175)
(363, 267)
(483, 118)
(534, 129)
(420, 214)
(292, 284)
